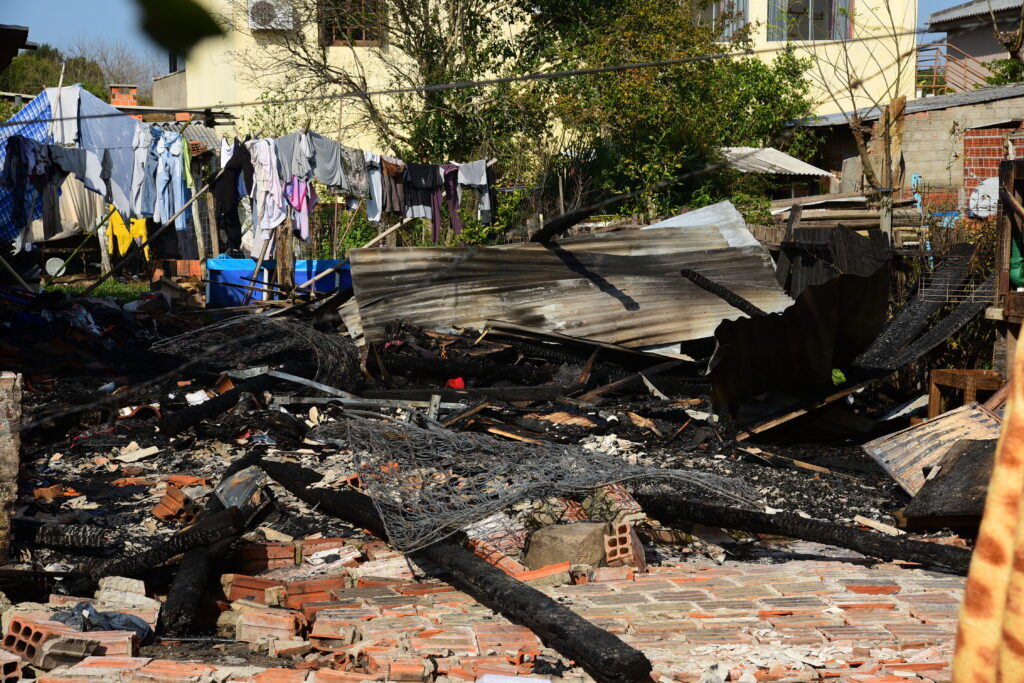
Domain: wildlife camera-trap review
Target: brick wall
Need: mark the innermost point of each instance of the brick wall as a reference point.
(984, 148)
(124, 95)
(933, 141)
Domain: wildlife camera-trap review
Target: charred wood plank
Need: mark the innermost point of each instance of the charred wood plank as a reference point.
(27, 532)
(603, 655)
(722, 292)
(675, 509)
(204, 533)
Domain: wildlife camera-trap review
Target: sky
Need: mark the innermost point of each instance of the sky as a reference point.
(59, 22)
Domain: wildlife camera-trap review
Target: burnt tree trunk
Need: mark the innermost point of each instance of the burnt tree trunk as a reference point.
(675, 509)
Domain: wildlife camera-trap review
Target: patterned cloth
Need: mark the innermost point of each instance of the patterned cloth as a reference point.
(39, 108)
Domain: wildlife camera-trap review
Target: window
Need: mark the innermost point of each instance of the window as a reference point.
(727, 15)
(355, 22)
(809, 19)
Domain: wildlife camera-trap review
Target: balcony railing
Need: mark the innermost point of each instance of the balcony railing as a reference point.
(943, 68)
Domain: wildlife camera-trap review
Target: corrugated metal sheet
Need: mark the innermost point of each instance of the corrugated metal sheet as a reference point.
(768, 160)
(200, 133)
(969, 9)
(992, 93)
(622, 287)
(906, 454)
(723, 215)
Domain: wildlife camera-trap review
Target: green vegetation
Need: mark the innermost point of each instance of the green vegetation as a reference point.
(1004, 71)
(122, 291)
(31, 72)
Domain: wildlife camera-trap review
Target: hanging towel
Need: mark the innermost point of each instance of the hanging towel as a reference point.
(302, 198)
(106, 131)
(392, 184)
(355, 182)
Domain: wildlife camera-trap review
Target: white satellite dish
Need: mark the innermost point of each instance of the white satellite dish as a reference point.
(54, 265)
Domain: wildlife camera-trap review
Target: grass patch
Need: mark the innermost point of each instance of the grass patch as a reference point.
(122, 291)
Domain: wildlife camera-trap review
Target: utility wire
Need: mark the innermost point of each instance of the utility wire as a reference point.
(536, 76)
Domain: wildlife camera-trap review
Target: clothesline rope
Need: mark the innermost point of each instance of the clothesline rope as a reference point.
(536, 76)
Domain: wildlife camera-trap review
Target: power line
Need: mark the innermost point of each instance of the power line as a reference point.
(502, 80)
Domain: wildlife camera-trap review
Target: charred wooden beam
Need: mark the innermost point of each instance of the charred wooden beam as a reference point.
(177, 422)
(603, 655)
(676, 509)
(722, 292)
(27, 532)
(180, 612)
(206, 532)
(624, 383)
(545, 392)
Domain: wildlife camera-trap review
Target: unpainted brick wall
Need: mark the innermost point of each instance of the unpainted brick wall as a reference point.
(933, 141)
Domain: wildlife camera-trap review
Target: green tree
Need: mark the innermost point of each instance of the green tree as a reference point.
(35, 70)
(1004, 71)
(652, 124)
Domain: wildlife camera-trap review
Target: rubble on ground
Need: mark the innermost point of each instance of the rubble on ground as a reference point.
(259, 498)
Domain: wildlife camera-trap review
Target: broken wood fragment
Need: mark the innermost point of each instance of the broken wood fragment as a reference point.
(597, 393)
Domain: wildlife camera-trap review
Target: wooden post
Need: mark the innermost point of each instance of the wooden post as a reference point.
(211, 216)
(256, 269)
(170, 221)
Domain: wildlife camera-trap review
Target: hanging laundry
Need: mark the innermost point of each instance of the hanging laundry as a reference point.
(63, 161)
(392, 184)
(107, 132)
(476, 176)
(169, 184)
(375, 200)
(302, 198)
(63, 129)
(356, 182)
(269, 208)
(310, 154)
(188, 245)
(144, 169)
(124, 234)
(226, 149)
(24, 173)
(30, 123)
(225, 192)
(451, 193)
(423, 194)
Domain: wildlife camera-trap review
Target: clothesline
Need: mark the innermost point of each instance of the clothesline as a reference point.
(145, 171)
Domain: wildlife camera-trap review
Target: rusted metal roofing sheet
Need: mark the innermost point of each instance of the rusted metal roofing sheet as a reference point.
(907, 454)
(622, 287)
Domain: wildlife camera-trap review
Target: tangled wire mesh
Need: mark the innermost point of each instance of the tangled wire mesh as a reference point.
(249, 340)
(429, 484)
